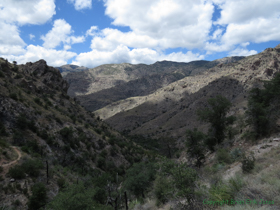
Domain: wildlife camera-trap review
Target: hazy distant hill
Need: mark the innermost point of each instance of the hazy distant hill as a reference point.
(100, 86)
(65, 69)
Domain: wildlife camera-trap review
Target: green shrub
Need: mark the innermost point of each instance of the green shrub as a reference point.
(14, 96)
(32, 167)
(16, 203)
(163, 189)
(66, 133)
(18, 76)
(1, 74)
(3, 143)
(101, 163)
(223, 156)
(16, 172)
(248, 163)
(220, 191)
(97, 130)
(38, 101)
(236, 154)
(18, 138)
(39, 196)
(2, 130)
(104, 153)
(31, 125)
(21, 121)
(61, 183)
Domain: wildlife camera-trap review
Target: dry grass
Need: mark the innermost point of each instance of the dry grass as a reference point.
(263, 183)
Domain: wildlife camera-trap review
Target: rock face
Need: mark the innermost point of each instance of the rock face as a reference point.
(103, 85)
(171, 109)
(49, 75)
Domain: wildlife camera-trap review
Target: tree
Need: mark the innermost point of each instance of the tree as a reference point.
(183, 179)
(263, 107)
(76, 196)
(215, 114)
(139, 177)
(179, 181)
(167, 146)
(195, 146)
(257, 113)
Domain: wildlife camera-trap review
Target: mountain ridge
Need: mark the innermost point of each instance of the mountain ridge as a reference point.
(93, 87)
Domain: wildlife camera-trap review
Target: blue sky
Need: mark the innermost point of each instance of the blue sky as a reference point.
(95, 32)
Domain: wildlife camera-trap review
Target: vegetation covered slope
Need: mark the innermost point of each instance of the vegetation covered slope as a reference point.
(47, 140)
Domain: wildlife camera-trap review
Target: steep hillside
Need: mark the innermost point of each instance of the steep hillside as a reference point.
(101, 86)
(172, 109)
(47, 137)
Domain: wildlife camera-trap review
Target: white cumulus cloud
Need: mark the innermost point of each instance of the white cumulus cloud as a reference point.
(60, 33)
(174, 23)
(242, 52)
(81, 4)
(122, 54)
(10, 40)
(26, 11)
(34, 53)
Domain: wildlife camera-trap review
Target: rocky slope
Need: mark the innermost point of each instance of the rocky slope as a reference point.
(40, 122)
(101, 86)
(172, 109)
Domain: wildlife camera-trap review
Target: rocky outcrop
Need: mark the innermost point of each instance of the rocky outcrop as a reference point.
(48, 75)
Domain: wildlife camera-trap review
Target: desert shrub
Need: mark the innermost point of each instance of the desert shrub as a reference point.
(58, 120)
(38, 101)
(18, 138)
(2, 130)
(97, 130)
(79, 196)
(220, 191)
(101, 163)
(139, 178)
(66, 133)
(14, 96)
(31, 125)
(32, 167)
(248, 163)
(61, 183)
(21, 121)
(16, 203)
(163, 189)
(236, 154)
(16, 172)
(223, 156)
(104, 153)
(18, 76)
(3, 143)
(31, 147)
(39, 196)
